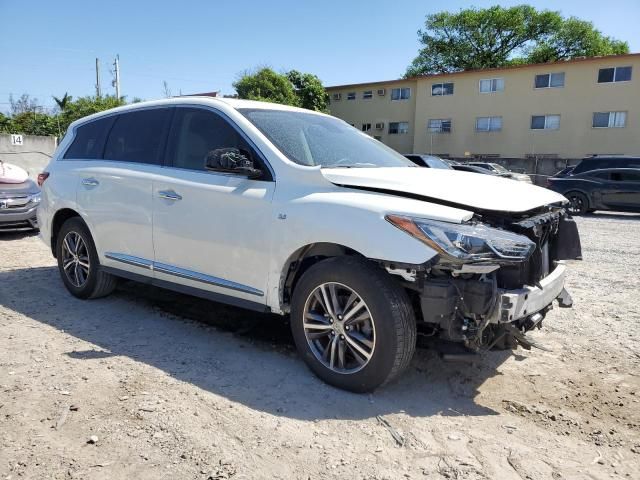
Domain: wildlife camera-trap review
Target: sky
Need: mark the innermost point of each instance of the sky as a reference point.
(50, 48)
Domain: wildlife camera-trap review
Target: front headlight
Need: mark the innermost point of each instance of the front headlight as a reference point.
(466, 242)
(35, 198)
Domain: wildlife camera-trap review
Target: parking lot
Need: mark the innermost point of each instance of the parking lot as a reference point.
(152, 384)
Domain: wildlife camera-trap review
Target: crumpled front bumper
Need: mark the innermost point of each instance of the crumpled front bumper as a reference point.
(517, 304)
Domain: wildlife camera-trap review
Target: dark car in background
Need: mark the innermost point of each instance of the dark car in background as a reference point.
(615, 189)
(428, 161)
(18, 203)
(598, 162)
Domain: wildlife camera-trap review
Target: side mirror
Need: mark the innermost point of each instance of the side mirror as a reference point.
(232, 160)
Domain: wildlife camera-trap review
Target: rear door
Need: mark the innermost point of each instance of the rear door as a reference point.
(115, 191)
(211, 230)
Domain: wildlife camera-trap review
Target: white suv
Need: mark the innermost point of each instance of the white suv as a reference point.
(294, 212)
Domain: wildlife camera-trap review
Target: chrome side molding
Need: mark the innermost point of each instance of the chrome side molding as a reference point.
(130, 260)
(182, 273)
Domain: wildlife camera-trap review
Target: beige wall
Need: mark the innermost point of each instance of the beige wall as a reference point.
(33, 155)
(576, 102)
(379, 109)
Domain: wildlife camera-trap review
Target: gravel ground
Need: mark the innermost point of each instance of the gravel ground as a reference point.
(149, 384)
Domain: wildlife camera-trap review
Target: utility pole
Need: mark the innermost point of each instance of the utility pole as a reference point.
(116, 81)
(98, 92)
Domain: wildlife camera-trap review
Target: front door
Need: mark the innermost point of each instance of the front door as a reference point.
(211, 230)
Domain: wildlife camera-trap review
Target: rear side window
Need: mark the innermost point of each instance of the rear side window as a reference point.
(625, 176)
(138, 136)
(196, 132)
(89, 139)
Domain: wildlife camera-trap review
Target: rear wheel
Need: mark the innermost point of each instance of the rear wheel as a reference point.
(353, 325)
(578, 203)
(78, 262)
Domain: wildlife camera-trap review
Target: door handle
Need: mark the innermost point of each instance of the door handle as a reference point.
(169, 195)
(90, 182)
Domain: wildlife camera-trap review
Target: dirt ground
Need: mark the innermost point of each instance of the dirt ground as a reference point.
(149, 384)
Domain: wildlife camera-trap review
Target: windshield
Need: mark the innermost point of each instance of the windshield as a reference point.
(311, 139)
(499, 168)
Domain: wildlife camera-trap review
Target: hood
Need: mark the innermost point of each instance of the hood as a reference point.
(12, 173)
(462, 189)
(28, 187)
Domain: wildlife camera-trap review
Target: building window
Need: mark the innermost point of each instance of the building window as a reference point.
(545, 122)
(351, 96)
(488, 124)
(440, 89)
(491, 85)
(367, 94)
(337, 96)
(614, 74)
(398, 128)
(400, 93)
(366, 127)
(550, 80)
(609, 119)
(439, 125)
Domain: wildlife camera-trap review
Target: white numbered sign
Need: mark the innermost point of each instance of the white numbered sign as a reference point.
(16, 140)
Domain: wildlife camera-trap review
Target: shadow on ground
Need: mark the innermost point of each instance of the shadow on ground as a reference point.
(10, 235)
(243, 356)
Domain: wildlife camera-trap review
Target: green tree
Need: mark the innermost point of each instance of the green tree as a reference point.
(34, 123)
(496, 36)
(575, 38)
(63, 102)
(309, 90)
(267, 86)
(5, 123)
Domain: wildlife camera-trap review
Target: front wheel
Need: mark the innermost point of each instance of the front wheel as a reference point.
(352, 324)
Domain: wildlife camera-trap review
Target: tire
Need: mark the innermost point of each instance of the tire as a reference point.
(578, 203)
(388, 336)
(94, 283)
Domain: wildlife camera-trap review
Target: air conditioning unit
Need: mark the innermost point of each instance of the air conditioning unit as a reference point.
(382, 91)
(380, 126)
(337, 96)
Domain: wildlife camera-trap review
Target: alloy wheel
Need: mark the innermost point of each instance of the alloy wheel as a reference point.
(75, 259)
(576, 204)
(339, 328)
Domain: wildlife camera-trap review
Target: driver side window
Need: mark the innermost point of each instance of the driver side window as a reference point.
(196, 134)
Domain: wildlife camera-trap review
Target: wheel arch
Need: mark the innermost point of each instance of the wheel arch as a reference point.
(302, 259)
(59, 218)
(586, 194)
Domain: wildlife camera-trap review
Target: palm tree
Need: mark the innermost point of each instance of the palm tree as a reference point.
(63, 102)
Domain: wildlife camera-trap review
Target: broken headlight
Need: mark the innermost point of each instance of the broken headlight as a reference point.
(466, 242)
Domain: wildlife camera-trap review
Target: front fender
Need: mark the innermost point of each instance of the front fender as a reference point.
(353, 219)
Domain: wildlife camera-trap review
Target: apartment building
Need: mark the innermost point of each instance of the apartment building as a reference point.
(567, 109)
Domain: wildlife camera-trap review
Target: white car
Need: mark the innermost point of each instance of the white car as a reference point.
(285, 210)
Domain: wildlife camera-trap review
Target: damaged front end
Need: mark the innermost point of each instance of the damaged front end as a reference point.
(495, 277)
